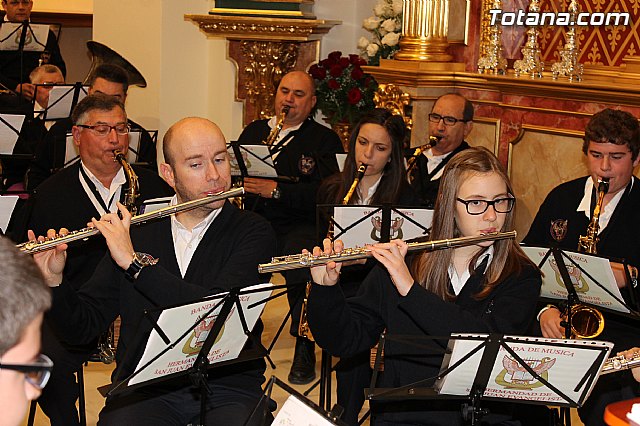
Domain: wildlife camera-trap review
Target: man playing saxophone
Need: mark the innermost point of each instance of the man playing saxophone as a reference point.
(69, 199)
(305, 150)
(611, 145)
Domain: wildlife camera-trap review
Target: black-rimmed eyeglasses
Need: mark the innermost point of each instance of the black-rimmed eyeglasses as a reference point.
(448, 120)
(105, 129)
(36, 373)
(500, 205)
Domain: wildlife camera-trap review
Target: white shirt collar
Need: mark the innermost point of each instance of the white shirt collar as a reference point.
(186, 242)
(607, 211)
(458, 282)
(434, 161)
(111, 193)
(365, 201)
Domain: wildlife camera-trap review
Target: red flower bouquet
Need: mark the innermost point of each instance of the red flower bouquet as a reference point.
(343, 90)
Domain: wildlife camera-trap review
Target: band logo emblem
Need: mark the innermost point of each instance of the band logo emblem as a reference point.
(199, 334)
(395, 230)
(515, 376)
(578, 281)
(558, 229)
(306, 165)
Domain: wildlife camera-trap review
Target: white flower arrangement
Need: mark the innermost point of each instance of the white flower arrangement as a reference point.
(385, 28)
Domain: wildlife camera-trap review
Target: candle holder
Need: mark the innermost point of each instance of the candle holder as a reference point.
(568, 65)
(493, 61)
(530, 64)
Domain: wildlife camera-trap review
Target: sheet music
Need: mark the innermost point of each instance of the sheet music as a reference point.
(341, 158)
(588, 291)
(368, 230)
(134, 146)
(257, 160)
(11, 31)
(71, 153)
(8, 135)
(296, 413)
(60, 100)
(176, 321)
(561, 362)
(7, 204)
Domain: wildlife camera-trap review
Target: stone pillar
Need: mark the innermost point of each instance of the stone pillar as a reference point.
(425, 25)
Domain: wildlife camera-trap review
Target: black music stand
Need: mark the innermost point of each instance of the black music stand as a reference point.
(298, 402)
(63, 98)
(227, 305)
(475, 388)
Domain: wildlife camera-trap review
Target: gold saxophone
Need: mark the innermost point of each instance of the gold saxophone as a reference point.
(303, 326)
(588, 322)
(413, 160)
(275, 132)
(133, 189)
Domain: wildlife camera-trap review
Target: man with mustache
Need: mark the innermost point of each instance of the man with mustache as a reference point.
(451, 121)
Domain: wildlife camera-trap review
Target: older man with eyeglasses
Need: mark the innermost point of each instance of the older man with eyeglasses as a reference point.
(69, 199)
(14, 67)
(451, 121)
(24, 296)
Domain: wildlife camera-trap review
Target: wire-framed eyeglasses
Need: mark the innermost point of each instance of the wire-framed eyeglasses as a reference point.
(105, 129)
(448, 120)
(500, 205)
(36, 373)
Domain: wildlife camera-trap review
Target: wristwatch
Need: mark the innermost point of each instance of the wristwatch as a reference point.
(276, 194)
(140, 260)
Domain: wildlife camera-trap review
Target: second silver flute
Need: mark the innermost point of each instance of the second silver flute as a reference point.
(295, 261)
(32, 247)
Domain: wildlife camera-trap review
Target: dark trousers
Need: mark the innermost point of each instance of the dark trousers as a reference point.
(353, 376)
(300, 237)
(152, 406)
(610, 388)
(58, 399)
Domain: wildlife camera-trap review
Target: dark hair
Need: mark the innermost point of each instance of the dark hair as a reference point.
(112, 73)
(613, 126)
(23, 294)
(394, 178)
(430, 269)
(96, 101)
(467, 112)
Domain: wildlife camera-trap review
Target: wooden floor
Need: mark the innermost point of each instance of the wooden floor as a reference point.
(97, 374)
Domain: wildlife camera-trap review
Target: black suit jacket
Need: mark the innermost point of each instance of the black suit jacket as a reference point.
(310, 157)
(227, 256)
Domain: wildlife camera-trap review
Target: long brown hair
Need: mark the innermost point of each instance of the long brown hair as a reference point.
(394, 177)
(430, 269)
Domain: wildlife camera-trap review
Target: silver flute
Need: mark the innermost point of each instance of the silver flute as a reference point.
(32, 247)
(307, 260)
(620, 363)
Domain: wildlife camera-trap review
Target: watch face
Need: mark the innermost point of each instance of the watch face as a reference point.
(145, 259)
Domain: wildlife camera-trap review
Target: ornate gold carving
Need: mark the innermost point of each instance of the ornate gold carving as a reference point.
(267, 62)
(391, 97)
(425, 26)
(263, 28)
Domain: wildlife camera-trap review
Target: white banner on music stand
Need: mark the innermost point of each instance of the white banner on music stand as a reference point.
(10, 131)
(257, 159)
(368, 230)
(563, 363)
(588, 291)
(31, 43)
(175, 321)
(296, 413)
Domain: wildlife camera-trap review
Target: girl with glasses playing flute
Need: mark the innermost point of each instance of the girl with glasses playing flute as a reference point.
(490, 287)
